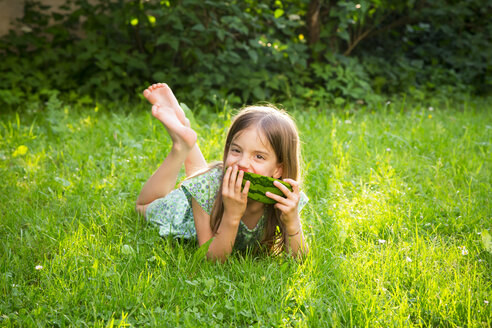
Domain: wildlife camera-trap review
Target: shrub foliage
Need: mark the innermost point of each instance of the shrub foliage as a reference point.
(245, 51)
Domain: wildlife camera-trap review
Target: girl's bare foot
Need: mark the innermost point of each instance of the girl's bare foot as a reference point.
(183, 137)
(160, 93)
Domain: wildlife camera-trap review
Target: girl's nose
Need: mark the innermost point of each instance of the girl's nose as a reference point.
(243, 163)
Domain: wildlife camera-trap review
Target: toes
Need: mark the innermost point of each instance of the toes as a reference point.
(146, 92)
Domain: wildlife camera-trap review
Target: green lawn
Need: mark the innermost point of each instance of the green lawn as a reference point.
(398, 224)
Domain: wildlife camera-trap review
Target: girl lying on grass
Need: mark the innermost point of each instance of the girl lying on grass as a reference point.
(211, 203)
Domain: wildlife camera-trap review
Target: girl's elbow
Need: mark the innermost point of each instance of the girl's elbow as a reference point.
(212, 257)
(217, 255)
(140, 208)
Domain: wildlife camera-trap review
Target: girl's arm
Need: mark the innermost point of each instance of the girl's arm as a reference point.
(224, 238)
(294, 238)
(223, 243)
(295, 242)
(235, 202)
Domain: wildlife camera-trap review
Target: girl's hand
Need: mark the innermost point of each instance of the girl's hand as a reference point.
(288, 205)
(234, 199)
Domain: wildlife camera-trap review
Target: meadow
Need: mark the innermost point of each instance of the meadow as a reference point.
(399, 223)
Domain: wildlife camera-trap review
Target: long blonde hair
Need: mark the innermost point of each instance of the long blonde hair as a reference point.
(281, 132)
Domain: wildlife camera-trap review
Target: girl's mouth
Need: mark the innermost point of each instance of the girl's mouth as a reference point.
(245, 170)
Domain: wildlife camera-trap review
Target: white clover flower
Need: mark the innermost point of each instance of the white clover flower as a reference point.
(408, 259)
(127, 250)
(464, 251)
(388, 149)
(38, 267)
(486, 302)
(381, 241)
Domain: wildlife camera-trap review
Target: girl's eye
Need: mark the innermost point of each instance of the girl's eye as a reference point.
(260, 157)
(234, 150)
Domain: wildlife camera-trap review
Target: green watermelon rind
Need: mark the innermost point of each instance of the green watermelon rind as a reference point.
(260, 184)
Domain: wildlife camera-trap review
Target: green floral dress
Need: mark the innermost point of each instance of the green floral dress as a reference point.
(174, 216)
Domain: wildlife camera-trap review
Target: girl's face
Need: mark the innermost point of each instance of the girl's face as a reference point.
(251, 152)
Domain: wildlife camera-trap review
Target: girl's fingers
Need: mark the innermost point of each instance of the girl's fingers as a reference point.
(246, 189)
(239, 181)
(275, 197)
(282, 208)
(225, 182)
(283, 188)
(232, 181)
(294, 184)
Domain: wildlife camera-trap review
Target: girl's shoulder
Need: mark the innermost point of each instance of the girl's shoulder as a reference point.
(212, 174)
(203, 187)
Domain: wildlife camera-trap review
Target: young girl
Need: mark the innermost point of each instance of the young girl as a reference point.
(210, 203)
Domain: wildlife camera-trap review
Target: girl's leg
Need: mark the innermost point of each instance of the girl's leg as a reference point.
(160, 93)
(163, 180)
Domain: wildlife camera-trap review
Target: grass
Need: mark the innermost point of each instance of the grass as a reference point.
(397, 224)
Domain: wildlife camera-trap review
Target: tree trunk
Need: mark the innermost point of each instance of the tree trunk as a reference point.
(313, 21)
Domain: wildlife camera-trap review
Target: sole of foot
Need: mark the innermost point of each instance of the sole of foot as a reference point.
(161, 93)
(181, 135)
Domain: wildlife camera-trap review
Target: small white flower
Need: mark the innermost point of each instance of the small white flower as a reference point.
(388, 149)
(464, 251)
(408, 259)
(348, 121)
(357, 6)
(486, 302)
(388, 102)
(431, 108)
(127, 250)
(381, 241)
(38, 267)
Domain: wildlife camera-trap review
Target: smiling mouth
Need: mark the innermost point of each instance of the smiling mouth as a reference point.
(245, 170)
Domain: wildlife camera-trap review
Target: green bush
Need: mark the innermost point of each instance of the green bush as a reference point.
(443, 45)
(247, 51)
